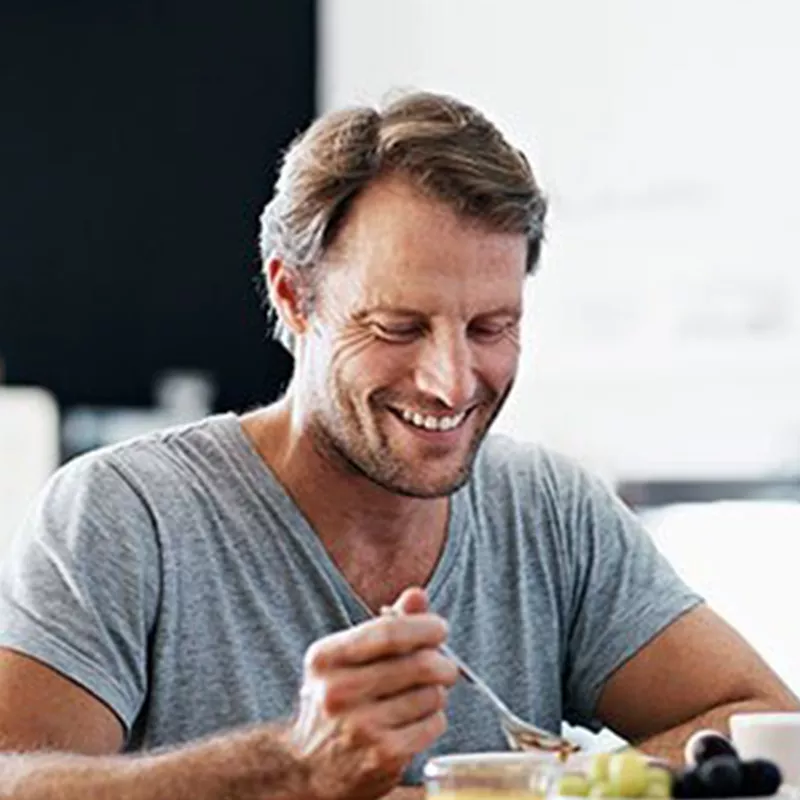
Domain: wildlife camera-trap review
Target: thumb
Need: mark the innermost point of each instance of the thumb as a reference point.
(412, 601)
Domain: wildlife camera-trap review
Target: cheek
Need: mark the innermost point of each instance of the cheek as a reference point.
(347, 351)
(357, 360)
(498, 366)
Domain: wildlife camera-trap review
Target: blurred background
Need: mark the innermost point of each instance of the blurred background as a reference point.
(662, 344)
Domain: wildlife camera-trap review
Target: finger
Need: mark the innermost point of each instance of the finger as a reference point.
(383, 637)
(349, 688)
(416, 737)
(312, 729)
(412, 601)
(403, 709)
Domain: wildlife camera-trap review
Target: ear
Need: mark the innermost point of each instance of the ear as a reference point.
(287, 295)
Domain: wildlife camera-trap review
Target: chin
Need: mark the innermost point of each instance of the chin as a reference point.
(437, 486)
(422, 492)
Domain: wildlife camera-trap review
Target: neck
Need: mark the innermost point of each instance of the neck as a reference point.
(367, 530)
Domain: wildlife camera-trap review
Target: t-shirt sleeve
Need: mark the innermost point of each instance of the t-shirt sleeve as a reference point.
(79, 588)
(624, 593)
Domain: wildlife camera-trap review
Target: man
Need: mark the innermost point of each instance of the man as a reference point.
(170, 595)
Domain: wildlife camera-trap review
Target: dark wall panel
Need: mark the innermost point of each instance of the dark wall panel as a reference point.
(138, 143)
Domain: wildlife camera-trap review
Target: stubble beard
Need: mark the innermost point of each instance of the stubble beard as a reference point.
(364, 449)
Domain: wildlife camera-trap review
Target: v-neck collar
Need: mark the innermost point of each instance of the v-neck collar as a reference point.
(266, 484)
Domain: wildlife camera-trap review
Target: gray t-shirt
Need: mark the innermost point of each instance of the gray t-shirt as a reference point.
(175, 579)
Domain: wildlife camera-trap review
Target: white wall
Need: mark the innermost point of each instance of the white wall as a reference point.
(711, 546)
(29, 452)
(664, 336)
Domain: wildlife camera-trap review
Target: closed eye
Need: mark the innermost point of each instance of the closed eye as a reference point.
(396, 333)
(491, 332)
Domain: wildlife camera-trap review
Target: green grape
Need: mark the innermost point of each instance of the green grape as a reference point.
(657, 790)
(573, 785)
(601, 789)
(598, 767)
(658, 776)
(627, 773)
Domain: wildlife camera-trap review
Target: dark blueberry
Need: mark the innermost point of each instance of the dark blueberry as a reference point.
(704, 745)
(760, 778)
(688, 786)
(721, 776)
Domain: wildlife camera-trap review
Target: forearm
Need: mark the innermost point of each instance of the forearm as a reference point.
(248, 764)
(406, 793)
(669, 744)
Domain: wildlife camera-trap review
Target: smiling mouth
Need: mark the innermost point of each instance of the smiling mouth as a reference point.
(429, 422)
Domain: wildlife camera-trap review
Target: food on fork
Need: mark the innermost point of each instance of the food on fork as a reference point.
(528, 741)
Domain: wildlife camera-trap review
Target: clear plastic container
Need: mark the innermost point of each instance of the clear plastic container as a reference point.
(493, 776)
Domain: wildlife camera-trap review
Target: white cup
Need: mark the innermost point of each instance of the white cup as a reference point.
(773, 735)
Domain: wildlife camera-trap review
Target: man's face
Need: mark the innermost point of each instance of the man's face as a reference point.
(413, 342)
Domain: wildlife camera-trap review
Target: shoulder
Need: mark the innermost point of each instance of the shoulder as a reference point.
(506, 464)
(129, 477)
(544, 492)
(164, 455)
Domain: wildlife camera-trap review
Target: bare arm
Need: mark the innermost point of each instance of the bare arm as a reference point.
(373, 697)
(694, 675)
(406, 793)
(68, 745)
(249, 765)
(42, 710)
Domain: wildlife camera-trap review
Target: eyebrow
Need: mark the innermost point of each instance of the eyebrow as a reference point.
(513, 311)
(398, 311)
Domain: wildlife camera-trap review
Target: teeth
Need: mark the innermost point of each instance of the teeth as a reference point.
(432, 423)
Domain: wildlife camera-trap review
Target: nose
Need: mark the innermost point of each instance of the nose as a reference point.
(446, 370)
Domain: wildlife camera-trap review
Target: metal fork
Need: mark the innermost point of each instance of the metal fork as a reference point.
(521, 735)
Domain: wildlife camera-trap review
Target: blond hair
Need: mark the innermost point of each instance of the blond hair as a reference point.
(447, 149)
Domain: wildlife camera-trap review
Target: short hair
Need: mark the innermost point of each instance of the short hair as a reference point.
(448, 150)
